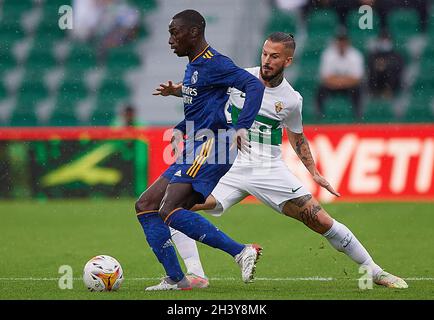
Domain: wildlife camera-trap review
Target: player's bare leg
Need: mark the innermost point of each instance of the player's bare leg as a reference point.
(150, 199)
(307, 210)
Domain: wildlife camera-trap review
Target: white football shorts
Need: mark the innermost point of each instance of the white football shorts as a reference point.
(273, 185)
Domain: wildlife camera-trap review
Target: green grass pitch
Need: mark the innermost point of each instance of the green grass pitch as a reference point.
(39, 237)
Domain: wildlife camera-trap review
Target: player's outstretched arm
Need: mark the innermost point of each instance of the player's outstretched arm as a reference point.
(301, 147)
(169, 89)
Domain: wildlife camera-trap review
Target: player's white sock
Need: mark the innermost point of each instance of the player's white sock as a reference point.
(187, 249)
(343, 240)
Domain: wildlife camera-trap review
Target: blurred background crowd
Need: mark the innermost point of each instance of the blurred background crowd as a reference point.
(103, 70)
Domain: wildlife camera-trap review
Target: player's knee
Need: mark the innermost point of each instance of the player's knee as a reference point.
(166, 210)
(146, 204)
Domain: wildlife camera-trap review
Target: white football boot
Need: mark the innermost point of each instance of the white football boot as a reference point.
(246, 259)
(168, 284)
(386, 279)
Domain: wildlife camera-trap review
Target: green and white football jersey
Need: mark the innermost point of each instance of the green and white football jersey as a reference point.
(281, 108)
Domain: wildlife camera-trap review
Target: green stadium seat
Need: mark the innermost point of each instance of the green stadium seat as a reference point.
(70, 92)
(420, 109)
(403, 24)
(81, 57)
(146, 5)
(41, 58)
(3, 92)
(33, 87)
(63, 117)
(306, 84)
(113, 89)
(338, 109)
(13, 9)
(281, 21)
(378, 110)
(23, 118)
(24, 112)
(6, 60)
(122, 58)
(322, 24)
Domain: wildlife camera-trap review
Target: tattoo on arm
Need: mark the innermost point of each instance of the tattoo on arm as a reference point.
(303, 151)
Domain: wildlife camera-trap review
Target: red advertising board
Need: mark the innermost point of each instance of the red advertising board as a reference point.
(363, 162)
(371, 162)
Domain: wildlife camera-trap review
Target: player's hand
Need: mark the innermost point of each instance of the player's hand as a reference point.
(325, 184)
(167, 89)
(177, 138)
(241, 141)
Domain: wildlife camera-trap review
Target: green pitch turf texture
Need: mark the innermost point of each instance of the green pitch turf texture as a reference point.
(39, 237)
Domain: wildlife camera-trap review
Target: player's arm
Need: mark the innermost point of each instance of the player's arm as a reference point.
(301, 147)
(169, 89)
(226, 73)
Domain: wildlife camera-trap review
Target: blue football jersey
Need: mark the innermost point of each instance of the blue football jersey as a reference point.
(204, 89)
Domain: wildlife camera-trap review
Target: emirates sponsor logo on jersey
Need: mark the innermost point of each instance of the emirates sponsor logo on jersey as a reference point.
(279, 106)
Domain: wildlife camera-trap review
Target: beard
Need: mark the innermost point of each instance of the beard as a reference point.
(272, 76)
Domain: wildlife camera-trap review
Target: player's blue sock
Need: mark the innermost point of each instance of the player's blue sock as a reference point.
(158, 236)
(197, 227)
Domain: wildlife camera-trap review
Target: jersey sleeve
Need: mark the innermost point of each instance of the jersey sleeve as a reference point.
(223, 72)
(294, 120)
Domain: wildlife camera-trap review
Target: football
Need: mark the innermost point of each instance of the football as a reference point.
(103, 273)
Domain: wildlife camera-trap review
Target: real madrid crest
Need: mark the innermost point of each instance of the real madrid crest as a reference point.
(194, 77)
(279, 106)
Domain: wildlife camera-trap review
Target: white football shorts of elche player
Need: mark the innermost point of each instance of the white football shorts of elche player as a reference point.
(262, 172)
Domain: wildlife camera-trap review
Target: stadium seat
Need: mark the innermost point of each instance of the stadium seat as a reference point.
(81, 57)
(338, 110)
(378, 110)
(123, 58)
(280, 21)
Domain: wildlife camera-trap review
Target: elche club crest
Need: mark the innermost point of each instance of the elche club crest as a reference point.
(194, 77)
(279, 106)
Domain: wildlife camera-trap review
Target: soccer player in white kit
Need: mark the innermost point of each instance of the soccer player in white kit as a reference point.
(263, 173)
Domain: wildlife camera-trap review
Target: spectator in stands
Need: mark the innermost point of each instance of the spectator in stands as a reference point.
(384, 7)
(385, 67)
(86, 14)
(127, 117)
(341, 72)
(109, 23)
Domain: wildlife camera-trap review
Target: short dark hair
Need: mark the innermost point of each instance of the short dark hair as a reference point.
(192, 18)
(286, 38)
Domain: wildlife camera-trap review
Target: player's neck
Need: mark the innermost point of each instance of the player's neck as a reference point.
(273, 83)
(201, 46)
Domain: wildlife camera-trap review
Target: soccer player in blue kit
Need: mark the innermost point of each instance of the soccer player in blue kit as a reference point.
(186, 183)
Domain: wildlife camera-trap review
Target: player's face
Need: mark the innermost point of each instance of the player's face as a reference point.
(180, 39)
(274, 59)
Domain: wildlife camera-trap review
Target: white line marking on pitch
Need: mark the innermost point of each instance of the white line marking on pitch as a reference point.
(222, 279)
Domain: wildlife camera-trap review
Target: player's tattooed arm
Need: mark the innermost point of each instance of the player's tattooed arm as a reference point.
(301, 147)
